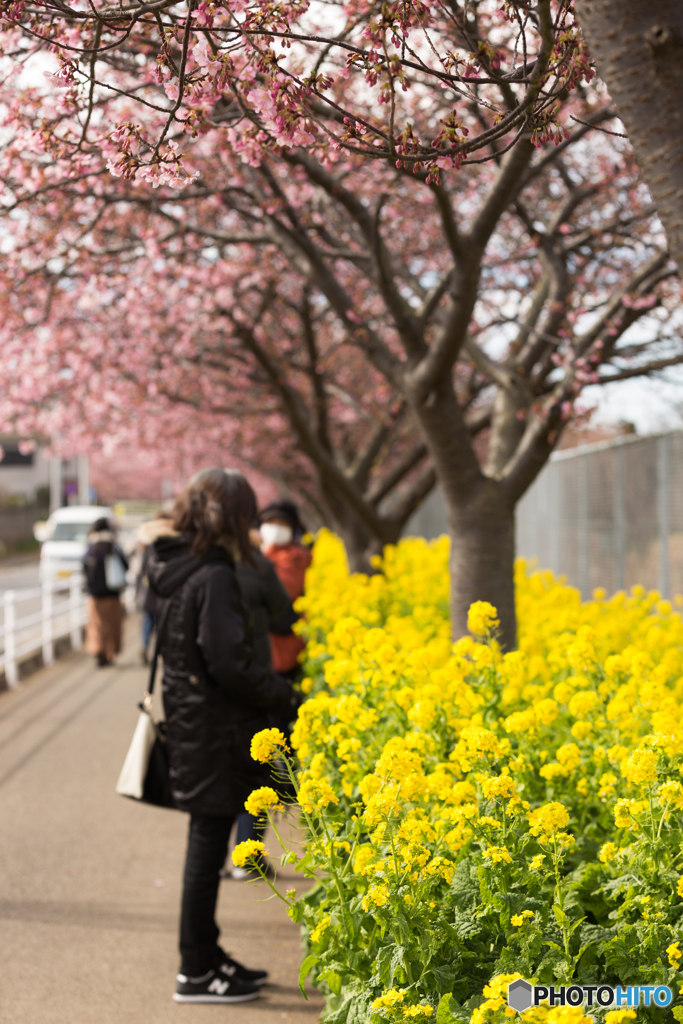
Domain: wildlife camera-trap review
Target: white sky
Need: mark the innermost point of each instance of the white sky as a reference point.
(652, 405)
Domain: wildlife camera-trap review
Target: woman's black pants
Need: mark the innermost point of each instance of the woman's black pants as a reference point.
(207, 848)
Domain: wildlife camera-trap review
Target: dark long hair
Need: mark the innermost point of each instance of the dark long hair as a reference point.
(217, 504)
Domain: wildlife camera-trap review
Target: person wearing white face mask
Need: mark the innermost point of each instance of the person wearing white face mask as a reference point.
(274, 534)
(281, 529)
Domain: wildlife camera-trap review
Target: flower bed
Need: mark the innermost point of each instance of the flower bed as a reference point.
(475, 817)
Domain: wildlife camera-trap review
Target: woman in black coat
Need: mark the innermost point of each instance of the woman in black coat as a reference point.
(216, 697)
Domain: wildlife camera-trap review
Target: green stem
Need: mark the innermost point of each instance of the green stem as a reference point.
(559, 896)
(664, 810)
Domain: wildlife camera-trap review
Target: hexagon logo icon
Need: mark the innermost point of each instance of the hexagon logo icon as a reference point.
(520, 995)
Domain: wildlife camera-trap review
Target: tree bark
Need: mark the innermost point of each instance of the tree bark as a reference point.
(638, 50)
(483, 558)
(359, 542)
(356, 543)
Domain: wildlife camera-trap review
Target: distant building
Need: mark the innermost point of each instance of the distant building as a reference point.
(24, 472)
(28, 476)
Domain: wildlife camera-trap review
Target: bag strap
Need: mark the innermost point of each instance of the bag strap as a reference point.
(147, 699)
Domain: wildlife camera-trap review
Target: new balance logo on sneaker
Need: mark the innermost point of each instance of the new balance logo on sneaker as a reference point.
(214, 987)
(245, 975)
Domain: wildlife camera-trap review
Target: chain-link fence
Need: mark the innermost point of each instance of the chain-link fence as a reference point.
(604, 515)
(609, 515)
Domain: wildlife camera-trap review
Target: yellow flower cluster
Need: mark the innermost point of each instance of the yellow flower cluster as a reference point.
(246, 852)
(262, 800)
(431, 768)
(482, 618)
(267, 744)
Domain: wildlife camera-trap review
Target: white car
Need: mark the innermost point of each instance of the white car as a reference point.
(64, 539)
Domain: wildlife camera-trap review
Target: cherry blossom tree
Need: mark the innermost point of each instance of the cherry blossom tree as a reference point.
(425, 84)
(415, 253)
(204, 358)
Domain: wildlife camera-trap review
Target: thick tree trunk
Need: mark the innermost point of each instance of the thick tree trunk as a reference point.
(359, 543)
(356, 541)
(482, 559)
(638, 50)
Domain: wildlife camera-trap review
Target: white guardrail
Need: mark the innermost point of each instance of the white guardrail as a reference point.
(62, 612)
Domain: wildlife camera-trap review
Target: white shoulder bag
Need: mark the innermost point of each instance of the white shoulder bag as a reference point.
(145, 774)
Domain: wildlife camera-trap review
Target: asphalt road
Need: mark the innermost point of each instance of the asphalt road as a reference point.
(90, 882)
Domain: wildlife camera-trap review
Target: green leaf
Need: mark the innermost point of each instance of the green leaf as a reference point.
(445, 975)
(383, 966)
(296, 911)
(310, 962)
(333, 979)
(576, 924)
(397, 963)
(443, 1012)
(560, 915)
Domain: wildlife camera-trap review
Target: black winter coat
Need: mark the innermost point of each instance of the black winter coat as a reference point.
(266, 599)
(216, 695)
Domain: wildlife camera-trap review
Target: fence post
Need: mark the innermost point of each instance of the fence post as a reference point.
(75, 612)
(663, 512)
(11, 671)
(48, 646)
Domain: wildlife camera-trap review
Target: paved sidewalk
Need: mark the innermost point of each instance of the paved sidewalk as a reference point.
(90, 882)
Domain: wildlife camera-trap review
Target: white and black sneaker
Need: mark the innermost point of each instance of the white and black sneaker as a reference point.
(245, 975)
(215, 987)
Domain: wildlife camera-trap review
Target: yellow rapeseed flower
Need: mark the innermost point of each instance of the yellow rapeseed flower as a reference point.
(674, 954)
(322, 926)
(421, 738)
(482, 618)
(641, 767)
(266, 744)
(315, 794)
(546, 821)
(261, 800)
(388, 999)
(247, 851)
(376, 896)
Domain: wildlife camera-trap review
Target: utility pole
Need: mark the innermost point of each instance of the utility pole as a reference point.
(83, 480)
(55, 483)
